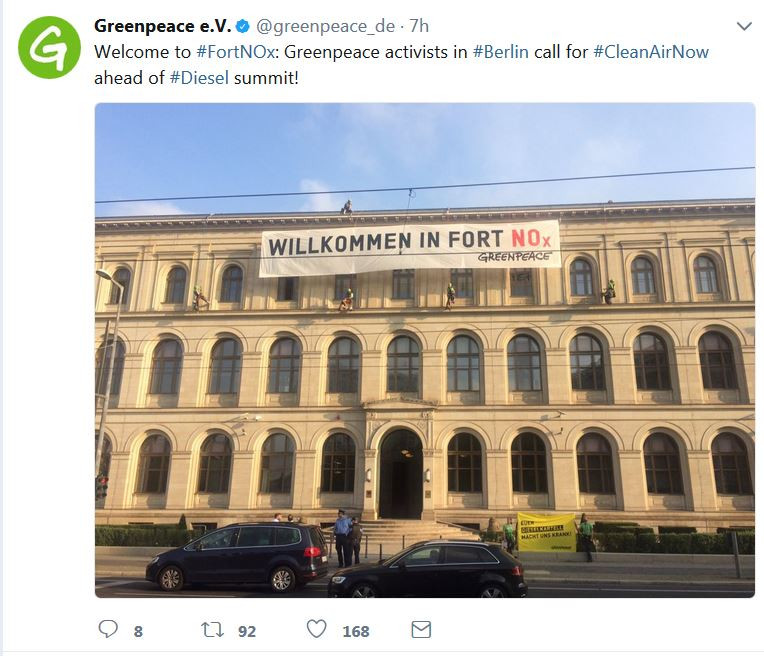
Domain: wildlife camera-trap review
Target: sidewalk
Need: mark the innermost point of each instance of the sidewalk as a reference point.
(607, 567)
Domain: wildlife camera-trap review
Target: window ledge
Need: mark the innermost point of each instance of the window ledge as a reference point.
(283, 399)
(341, 398)
(211, 500)
(526, 397)
(463, 398)
(582, 300)
(589, 396)
(644, 298)
(655, 396)
(162, 401)
(721, 395)
(222, 400)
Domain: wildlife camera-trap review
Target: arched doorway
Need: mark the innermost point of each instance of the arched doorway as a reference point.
(400, 476)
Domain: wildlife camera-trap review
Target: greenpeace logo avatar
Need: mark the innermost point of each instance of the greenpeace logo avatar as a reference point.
(49, 47)
(51, 52)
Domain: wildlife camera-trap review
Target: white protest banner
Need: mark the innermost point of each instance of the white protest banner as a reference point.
(531, 244)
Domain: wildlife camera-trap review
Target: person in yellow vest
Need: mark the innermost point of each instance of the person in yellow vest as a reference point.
(450, 296)
(586, 530)
(346, 305)
(509, 535)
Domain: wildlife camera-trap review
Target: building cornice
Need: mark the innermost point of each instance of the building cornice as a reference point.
(565, 213)
(663, 309)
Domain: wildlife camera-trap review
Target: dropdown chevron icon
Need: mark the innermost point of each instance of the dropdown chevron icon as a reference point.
(744, 27)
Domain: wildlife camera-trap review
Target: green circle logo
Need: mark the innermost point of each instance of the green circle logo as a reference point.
(49, 47)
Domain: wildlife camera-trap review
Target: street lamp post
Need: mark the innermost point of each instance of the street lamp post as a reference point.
(109, 371)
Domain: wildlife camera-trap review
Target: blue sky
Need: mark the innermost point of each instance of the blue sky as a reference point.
(190, 150)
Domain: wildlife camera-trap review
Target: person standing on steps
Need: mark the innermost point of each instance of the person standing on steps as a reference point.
(509, 535)
(356, 535)
(342, 528)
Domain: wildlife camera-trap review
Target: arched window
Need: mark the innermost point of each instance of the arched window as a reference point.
(284, 366)
(121, 276)
(230, 288)
(103, 357)
(461, 279)
(587, 370)
(154, 465)
(524, 358)
(581, 283)
(465, 464)
(463, 364)
(731, 470)
(717, 362)
(343, 366)
(706, 280)
(225, 367)
(277, 463)
(595, 465)
(662, 468)
(651, 362)
(175, 292)
(403, 365)
(642, 276)
(105, 464)
(528, 464)
(338, 464)
(215, 464)
(166, 366)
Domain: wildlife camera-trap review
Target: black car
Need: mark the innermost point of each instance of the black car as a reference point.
(282, 554)
(437, 568)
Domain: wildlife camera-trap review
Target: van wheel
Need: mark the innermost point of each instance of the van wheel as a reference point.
(170, 579)
(283, 579)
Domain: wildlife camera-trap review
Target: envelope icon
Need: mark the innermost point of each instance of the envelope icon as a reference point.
(421, 629)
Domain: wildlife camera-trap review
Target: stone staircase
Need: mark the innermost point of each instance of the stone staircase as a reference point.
(396, 534)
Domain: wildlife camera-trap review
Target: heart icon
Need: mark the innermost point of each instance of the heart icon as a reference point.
(316, 628)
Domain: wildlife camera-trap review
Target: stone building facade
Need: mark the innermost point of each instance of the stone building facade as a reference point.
(530, 394)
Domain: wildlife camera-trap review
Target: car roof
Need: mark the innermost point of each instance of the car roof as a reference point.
(271, 523)
(451, 541)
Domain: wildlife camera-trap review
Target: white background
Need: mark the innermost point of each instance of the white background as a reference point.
(48, 283)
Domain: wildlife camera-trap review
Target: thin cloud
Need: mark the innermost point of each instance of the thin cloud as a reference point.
(319, 202)
(149, 208)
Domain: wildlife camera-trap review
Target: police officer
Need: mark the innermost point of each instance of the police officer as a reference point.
(342, 528)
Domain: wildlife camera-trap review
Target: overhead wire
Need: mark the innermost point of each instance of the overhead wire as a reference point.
(409, 188)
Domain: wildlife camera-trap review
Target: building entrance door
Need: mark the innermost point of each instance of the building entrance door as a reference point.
(400, 480)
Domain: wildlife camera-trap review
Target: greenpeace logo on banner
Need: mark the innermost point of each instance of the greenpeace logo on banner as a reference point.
(382, 248)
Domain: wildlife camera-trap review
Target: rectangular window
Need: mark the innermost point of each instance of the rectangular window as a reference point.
(520, 282)
(255, 536)
(403, 284)
(461, 279)
(342, 283)
(286, 536)
(287, 290)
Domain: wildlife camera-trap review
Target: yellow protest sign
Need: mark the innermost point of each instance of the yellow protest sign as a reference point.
(546, 532)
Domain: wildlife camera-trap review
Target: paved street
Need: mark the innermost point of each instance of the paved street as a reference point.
(119, 573)
(125, 587)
